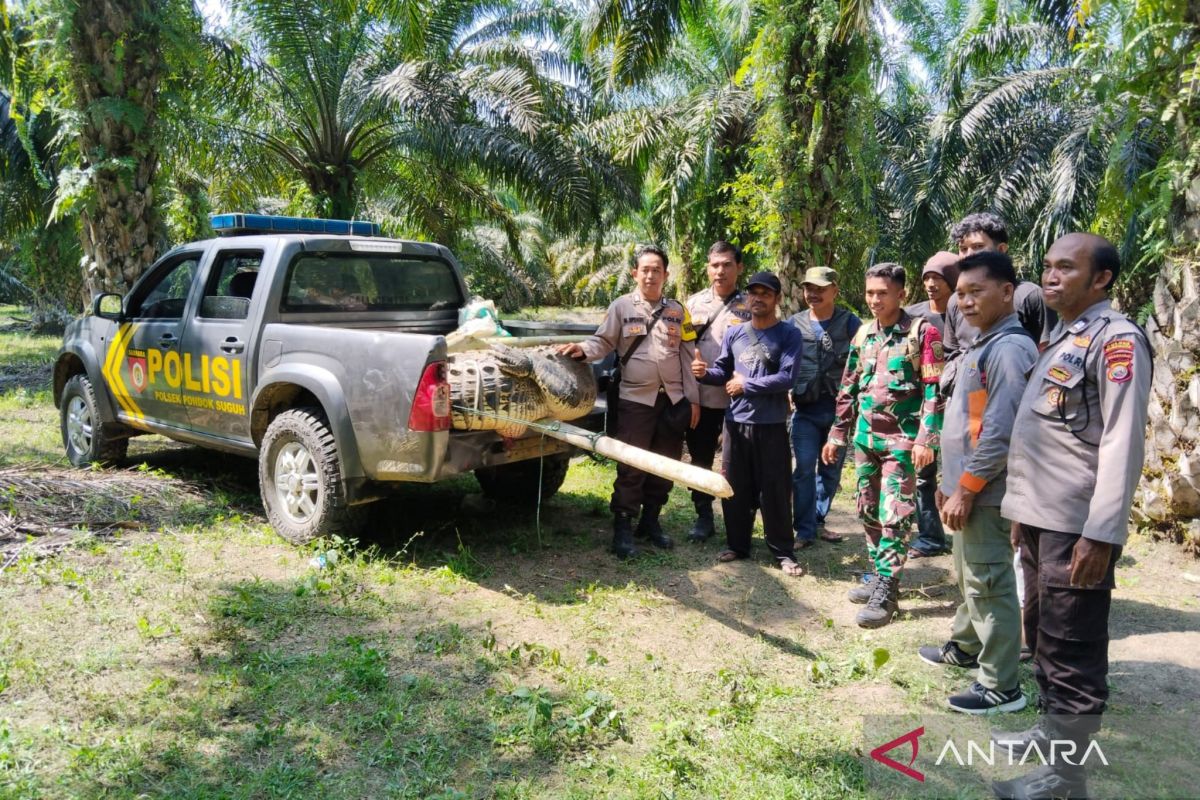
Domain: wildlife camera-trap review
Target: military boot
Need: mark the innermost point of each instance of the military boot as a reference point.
(1051, 782)
(622, 545)
(883, 604)
(649, 528)
(862, 592)
(703, 528)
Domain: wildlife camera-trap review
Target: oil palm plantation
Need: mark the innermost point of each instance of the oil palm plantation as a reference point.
(432, 115)
(687, 126)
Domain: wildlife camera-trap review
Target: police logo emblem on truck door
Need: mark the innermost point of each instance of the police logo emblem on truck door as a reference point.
(137, 372)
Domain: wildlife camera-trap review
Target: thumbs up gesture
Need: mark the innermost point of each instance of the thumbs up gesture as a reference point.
(698, 366)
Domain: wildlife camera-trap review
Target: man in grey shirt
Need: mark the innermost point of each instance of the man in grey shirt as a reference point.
(975, 434)
(1078, 444)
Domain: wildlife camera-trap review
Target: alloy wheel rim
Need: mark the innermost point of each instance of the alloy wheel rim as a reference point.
(79, 425)
(297, 482)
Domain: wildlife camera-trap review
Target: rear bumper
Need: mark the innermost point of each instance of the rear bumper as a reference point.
(470, 450)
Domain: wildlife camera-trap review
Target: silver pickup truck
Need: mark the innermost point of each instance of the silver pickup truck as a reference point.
(321, 354)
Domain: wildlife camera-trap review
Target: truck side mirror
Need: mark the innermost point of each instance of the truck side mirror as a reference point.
(107, 305)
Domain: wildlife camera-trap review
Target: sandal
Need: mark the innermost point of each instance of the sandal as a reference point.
(790, 567)
(830, 536)
(728, 555)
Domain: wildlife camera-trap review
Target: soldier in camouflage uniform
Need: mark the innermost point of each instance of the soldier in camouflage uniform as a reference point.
(890, 384)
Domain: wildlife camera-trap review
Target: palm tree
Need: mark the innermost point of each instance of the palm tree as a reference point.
(812, 63)
(687, 128)
(39, 247)
(415, 112)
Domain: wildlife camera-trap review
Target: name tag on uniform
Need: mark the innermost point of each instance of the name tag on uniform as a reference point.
(634, 329)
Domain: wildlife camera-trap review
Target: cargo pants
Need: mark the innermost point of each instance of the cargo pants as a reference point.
(885, 481)
(987, 623)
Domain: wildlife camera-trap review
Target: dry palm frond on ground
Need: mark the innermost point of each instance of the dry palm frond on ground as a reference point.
(44, 509)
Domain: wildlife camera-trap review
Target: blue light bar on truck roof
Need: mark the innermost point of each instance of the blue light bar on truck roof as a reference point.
(233, 224)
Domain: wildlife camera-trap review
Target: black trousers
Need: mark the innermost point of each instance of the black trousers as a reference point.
(702, 447)
(1071, 655)
(658, 428)
(1029, 576)
(756, 460)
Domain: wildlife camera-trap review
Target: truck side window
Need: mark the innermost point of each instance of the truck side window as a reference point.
(231, 285)
(165, 296)
(327, 282)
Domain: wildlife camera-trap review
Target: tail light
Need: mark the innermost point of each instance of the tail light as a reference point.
(431, 403)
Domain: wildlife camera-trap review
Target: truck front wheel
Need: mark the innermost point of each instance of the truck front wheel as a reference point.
(84, 434)
(518, 482)
(300, 479)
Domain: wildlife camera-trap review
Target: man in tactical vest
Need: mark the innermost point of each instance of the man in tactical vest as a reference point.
(1078, 444)
(713, 311)
(827, 331)
(653, 337)
(890, 385)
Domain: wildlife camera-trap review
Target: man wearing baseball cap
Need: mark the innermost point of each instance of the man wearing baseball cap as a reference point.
(827, 331)
(939, 278)
(757, 368)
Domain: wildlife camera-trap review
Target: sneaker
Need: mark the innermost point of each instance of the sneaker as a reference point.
(1057, 781)
(980, 700)
(949, 654)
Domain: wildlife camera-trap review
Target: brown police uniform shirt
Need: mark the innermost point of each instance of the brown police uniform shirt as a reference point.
(664, 361)
(1078, 440)
(707, 308)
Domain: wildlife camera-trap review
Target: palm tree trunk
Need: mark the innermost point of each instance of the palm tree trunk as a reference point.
(822, 93)
(116, 65)
(1169, 496)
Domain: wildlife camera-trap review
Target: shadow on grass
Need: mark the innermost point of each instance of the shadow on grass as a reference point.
(566, 560)
(300, 692)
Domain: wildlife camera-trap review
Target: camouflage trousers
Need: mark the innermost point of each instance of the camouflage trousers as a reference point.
(886, 483)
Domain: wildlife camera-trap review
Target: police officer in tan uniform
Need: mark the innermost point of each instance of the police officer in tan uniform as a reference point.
(658, 394)
(713, 311)
(1078, 443)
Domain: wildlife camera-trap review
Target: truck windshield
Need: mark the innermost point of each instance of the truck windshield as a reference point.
(340, 282)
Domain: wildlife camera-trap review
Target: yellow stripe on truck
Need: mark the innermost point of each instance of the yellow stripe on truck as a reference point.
(112, 371)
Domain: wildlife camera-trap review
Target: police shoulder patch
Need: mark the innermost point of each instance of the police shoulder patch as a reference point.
(1118, 360)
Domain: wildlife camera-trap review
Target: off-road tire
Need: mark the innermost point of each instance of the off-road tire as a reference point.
(301, 481)
(86, 437)
(518, 483)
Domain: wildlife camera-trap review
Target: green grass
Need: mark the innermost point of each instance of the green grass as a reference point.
(454, 651)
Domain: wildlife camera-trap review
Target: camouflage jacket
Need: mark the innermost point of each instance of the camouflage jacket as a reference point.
(891, 385)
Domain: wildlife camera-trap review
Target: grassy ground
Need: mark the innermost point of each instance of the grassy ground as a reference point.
(464, 651)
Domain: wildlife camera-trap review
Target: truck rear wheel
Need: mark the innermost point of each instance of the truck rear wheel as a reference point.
(84, 434)
(518, 482)
(300, 479)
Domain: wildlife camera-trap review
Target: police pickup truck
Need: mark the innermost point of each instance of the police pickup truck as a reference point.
(315, 346)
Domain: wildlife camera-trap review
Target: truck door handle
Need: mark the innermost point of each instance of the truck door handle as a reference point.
(167, 340)
(233, 345)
